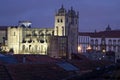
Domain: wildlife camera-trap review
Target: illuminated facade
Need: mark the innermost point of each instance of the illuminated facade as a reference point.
(66, 24)
(61, 41)
(103, 41)
(29, 40)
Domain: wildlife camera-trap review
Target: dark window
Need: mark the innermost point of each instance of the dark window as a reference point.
(96, 42)
(61, 20)
(76, 21)
(23, 47)
(67, 20)
(29, 47)
(119, 42)
(92, 42)
(58, 20)
(57, 30)
(14, 33)
(42, 34)
(114, 42)
(110, 42)
(62, 30)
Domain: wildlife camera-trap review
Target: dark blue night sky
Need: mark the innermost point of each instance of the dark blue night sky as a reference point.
(93, 14)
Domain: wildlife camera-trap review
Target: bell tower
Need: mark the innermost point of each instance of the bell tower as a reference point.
(60, 22)
(66, 24)
(73, 23)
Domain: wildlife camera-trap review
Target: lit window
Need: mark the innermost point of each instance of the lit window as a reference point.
(89, 47)
(103, 41)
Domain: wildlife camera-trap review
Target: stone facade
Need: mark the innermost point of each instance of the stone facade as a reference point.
(60, 41)
(66, 24)
(29, 40)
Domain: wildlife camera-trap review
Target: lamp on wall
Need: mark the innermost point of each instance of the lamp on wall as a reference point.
(79, 49)
(89, 48)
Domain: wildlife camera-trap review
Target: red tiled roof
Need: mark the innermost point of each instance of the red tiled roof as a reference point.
(37, 72)
(4, 75)
(85, 33)
(106, 34)
(31, 58)
(86, 64)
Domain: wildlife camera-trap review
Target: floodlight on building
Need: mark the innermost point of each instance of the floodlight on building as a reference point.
(103, 50)
(96, 48)
(79, 49)
(89, 47)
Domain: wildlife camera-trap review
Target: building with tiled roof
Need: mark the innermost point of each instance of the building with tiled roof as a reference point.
(42, 67)
(103, 41)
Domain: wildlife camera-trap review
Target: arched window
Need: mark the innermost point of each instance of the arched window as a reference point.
(110, 45)
(61, 20)
(42, 34)
(36, 48)
(29, 47)
(58, 20)
(42, 49)
(14, 33)
(114, 42)
(23, 47)
(110, 42)
(34, 33)
(92, 42)
(103, 42)
(96, 42)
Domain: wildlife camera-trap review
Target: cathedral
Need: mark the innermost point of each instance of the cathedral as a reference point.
(59, 42)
